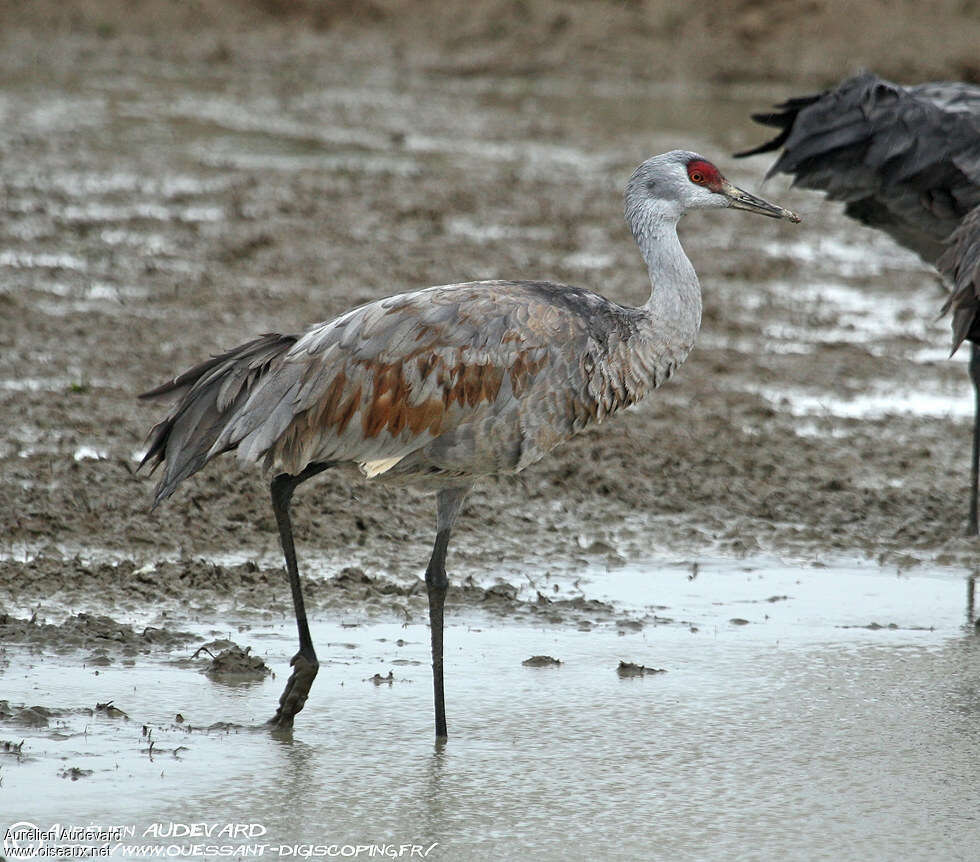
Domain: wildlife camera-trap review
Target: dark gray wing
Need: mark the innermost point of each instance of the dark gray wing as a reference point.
(905, 160)
(961, 262)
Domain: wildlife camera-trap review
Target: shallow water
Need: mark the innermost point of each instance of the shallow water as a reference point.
(839, 715)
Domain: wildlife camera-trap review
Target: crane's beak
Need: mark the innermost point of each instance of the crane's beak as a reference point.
(742, 200)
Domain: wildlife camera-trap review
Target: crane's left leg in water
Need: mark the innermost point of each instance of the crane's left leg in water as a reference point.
(304, 663)
(448, 502)
(972, 525)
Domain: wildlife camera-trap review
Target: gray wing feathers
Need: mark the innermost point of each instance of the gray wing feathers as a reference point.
(474, 378)
(904, 159)
(961, 262)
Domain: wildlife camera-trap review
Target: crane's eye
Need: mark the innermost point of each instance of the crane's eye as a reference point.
(703, 173)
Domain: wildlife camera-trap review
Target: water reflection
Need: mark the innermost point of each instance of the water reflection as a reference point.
(971, 596)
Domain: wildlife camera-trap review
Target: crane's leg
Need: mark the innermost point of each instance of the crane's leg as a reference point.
(448, 502)
(304, 663)
(972, 525)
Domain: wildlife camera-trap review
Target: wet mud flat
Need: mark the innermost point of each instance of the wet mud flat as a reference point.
(164, 199)
(158, 212)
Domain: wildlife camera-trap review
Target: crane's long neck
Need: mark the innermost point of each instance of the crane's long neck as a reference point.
(672, 314)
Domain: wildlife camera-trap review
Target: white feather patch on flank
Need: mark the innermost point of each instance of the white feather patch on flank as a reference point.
(375, 468)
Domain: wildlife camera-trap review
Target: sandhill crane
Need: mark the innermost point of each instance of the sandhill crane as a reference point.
(905, 160)
(444, 385)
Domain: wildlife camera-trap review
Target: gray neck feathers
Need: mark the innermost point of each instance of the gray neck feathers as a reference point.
(673, 311)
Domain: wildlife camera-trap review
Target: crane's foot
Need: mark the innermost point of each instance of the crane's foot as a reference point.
(297, 691)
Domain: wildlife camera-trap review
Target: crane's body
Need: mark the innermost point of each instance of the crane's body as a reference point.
(435, 386)
(444, 385)
(904, 160)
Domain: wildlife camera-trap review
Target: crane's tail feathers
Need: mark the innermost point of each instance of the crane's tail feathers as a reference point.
(207, 398)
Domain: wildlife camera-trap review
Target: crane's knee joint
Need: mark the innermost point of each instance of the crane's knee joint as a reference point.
(282, 488)
(436, 580)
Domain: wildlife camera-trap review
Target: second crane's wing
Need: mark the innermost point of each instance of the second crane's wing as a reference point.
(961, 262)
(905, 160)
(483, 377)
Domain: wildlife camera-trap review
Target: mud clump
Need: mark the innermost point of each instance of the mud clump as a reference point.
(33, 716)
(83, 631)
(206, 587)
(888, 627)
(628, 669)
(541, 661)
(235, 663)
(74, 773)
(54, 579)
(110, 710)
(99, 658)
(36, 716)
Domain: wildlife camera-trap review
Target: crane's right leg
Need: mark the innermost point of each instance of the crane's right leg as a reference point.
(304, 663)
(971, 525)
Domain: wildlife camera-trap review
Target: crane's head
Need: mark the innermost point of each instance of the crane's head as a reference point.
(675, 182)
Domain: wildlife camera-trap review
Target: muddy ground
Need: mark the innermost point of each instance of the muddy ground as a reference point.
(174, 182)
